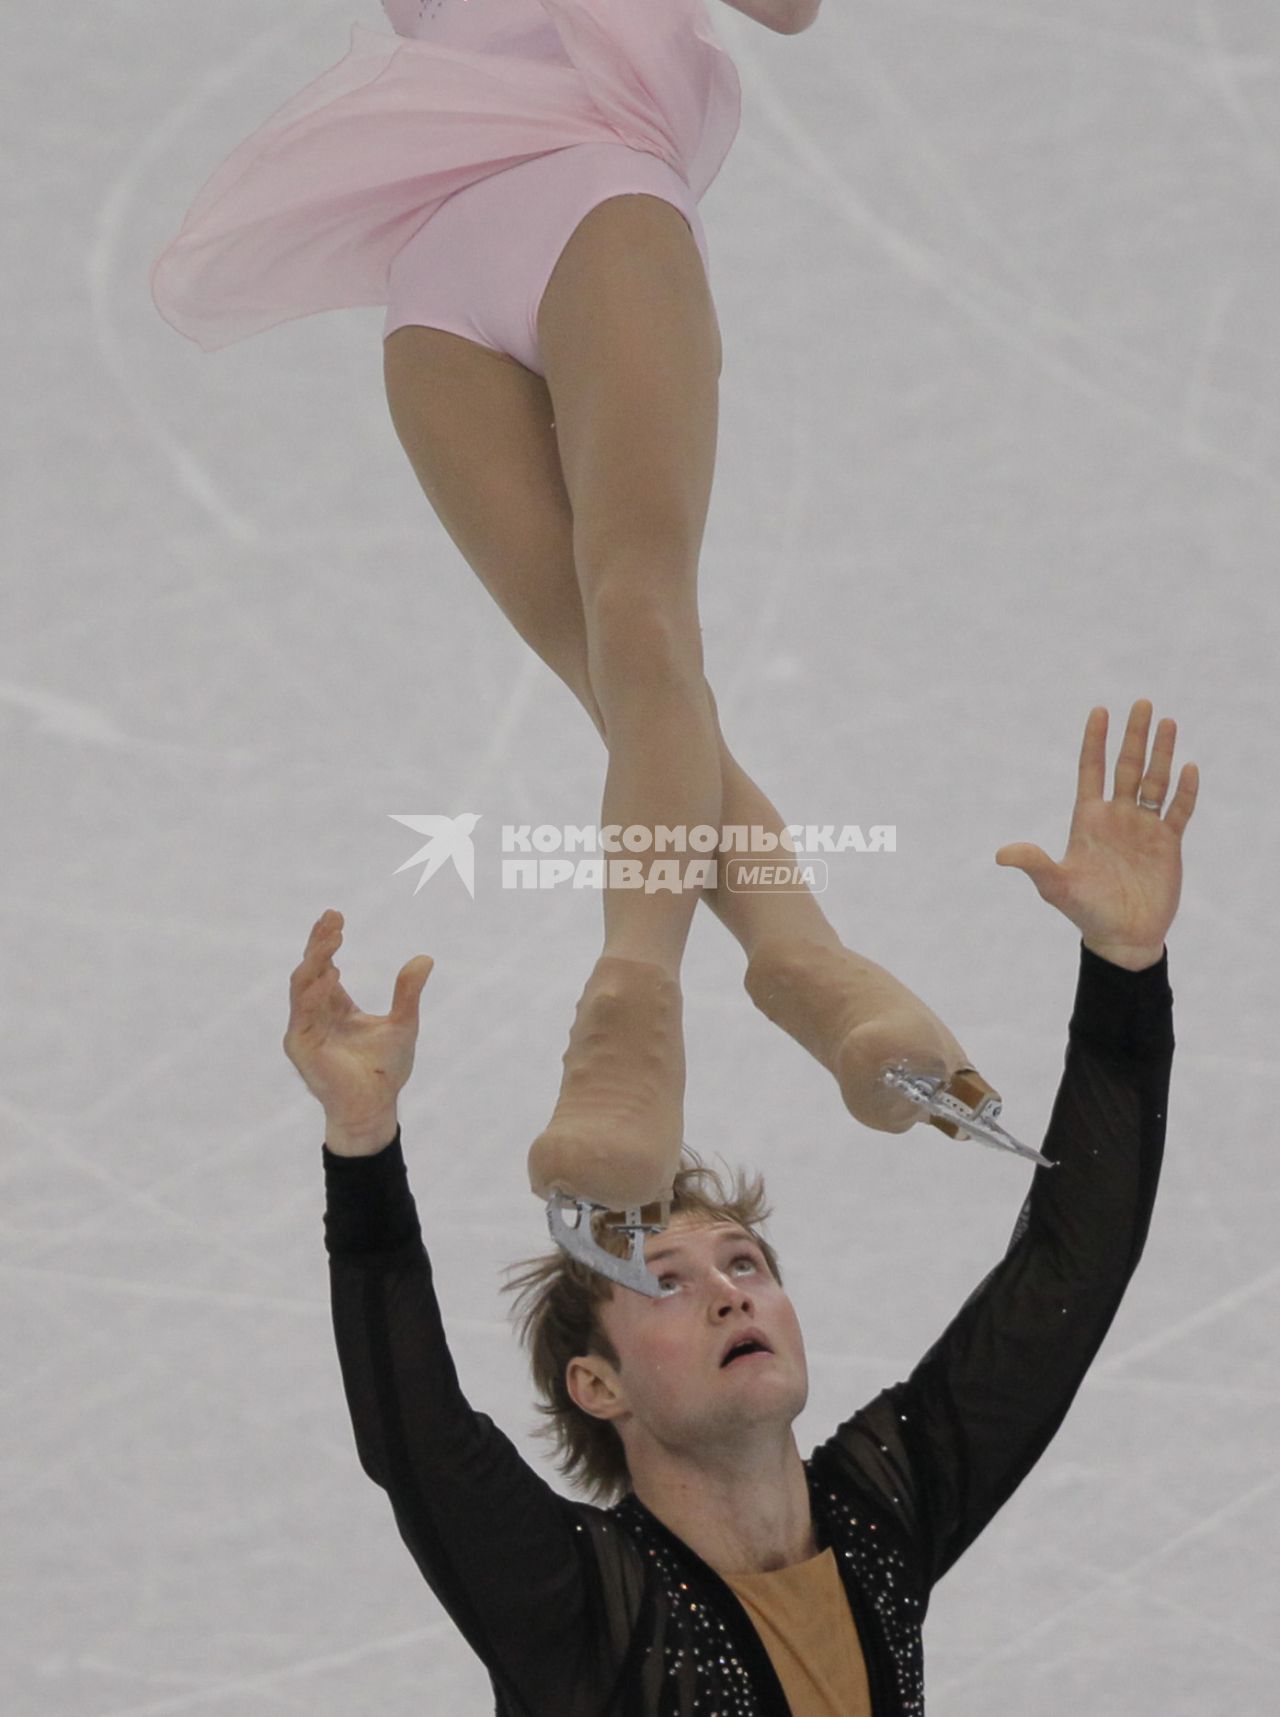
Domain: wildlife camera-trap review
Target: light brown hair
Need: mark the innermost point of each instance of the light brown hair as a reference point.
(561, 1322)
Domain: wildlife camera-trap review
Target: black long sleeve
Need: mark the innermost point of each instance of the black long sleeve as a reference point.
(947, 1448)
(497, 1545)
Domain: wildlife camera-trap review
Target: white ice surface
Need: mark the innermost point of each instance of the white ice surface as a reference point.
(1000, 439)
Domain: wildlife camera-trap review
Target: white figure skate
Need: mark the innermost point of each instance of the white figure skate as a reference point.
(580, 1242)
(967, 1111)
(615, 1141)
(867, 1028)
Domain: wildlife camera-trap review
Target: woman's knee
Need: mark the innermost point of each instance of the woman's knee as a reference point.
(642, 632)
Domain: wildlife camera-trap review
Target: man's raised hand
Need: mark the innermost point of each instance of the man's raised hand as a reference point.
(1121, 876)
(353, 1063)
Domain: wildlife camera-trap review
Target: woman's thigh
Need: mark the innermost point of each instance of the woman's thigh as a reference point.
(477, 429)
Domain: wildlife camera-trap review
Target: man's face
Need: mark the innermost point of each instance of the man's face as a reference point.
(671, 1385)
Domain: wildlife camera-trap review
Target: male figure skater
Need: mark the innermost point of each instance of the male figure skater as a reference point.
(733, 1577)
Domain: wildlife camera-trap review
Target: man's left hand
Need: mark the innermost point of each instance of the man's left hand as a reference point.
(1121, 876)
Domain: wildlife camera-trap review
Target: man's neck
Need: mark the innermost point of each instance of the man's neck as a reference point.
(752, 1518)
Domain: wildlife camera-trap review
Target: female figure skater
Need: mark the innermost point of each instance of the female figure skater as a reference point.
(518, 181)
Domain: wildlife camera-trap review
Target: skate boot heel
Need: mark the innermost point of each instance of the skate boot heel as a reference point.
(964, 1107)
(968, 1086)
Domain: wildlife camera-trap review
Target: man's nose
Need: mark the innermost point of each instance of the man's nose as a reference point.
(727, 1288)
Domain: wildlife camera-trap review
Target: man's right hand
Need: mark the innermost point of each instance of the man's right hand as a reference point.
(353, 1063)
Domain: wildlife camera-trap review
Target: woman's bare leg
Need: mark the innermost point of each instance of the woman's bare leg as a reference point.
(664, 756)
(631, 346)
(479, 432)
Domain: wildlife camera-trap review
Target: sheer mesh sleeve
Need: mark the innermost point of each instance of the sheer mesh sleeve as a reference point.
(498, 1547)
(946, 1449)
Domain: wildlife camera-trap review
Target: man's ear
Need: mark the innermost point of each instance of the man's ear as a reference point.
(594, 1386)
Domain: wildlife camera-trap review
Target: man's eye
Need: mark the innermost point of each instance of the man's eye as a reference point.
(742, 1258)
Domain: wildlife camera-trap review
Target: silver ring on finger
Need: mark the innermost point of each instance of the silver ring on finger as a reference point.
(1149, 804)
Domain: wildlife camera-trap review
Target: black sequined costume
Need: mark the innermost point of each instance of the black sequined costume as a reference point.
(578, 1611)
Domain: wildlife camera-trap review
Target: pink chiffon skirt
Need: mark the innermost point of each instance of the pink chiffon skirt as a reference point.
(311, 210)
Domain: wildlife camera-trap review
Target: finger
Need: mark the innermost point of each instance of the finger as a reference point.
(1133, 751)
(410, 983)
(305, 993)
(325, 925)
(1026, 856)
(1155, 783)
(325, 938)
(314, 999)
(1093, 756)
(327, 930)
(304, 1015)
(1179, 813)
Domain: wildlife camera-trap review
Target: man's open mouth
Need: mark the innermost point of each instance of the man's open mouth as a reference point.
(743, 1350)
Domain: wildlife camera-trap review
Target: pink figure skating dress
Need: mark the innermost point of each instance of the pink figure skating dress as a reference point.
(484, 130)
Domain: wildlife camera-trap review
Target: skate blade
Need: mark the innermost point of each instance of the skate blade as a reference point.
(580, 1243)
(958, 1119)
